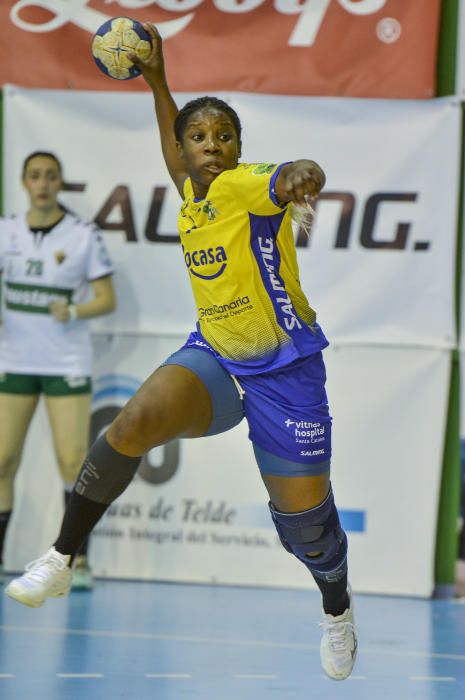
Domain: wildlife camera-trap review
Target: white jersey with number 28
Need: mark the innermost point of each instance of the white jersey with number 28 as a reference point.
(38, 268)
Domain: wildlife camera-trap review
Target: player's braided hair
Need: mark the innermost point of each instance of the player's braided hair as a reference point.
(205, 103)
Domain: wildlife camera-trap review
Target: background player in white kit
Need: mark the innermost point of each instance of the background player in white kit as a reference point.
(56, 274)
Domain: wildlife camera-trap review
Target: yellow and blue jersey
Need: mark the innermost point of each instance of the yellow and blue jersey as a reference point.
(238, 246)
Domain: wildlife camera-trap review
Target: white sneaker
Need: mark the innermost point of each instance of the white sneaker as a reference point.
(47, 577)
(339, 644)
(82, 575)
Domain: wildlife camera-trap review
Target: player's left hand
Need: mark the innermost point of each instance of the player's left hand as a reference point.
(301, 180)
(59, 311)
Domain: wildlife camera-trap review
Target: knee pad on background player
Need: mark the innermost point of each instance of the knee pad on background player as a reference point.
(105, 473)
(316, 532)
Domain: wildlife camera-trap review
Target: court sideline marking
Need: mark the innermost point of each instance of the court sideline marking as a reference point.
(218, 641)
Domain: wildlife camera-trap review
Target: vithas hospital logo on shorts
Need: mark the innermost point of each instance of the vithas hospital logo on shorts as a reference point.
(306, 431)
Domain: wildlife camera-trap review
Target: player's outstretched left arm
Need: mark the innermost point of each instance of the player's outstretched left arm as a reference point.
(299, 181)
(153, 70)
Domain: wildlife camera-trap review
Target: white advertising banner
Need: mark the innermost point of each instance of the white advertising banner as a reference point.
(379, 266)
(197, 511)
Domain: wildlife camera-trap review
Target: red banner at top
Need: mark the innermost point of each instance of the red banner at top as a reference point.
(356, 48)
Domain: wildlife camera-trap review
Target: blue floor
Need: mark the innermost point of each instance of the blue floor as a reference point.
(169, 642)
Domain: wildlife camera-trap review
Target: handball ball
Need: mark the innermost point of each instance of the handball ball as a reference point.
(114, 40)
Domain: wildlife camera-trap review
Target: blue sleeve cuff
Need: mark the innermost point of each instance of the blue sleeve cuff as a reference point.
(273, 182)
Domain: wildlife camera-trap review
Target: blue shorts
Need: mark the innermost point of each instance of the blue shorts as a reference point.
(287, 410)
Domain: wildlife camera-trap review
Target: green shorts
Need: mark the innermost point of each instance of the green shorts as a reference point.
(44, 384)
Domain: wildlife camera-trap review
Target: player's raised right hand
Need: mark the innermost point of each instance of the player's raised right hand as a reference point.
(153, 68)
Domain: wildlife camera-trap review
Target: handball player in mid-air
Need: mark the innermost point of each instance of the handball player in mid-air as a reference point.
(256, 353)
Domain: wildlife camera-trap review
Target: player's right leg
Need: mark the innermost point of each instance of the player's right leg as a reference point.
(16, 411)
(190, 396)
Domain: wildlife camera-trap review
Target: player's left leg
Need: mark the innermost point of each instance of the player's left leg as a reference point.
(307, 521)
(68, 404)
(290, 428)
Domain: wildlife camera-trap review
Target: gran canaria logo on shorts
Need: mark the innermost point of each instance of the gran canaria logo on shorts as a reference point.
(206, 263)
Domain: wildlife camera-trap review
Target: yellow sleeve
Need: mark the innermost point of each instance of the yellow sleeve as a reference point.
(252, 185)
